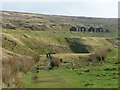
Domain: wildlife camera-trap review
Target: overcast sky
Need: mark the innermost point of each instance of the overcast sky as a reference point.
(89, 8)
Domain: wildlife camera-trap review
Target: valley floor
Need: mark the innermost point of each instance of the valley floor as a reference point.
(103, 75)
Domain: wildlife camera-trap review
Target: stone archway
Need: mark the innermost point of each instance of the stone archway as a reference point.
(83, 29)
(73, 28)
(91, 29)
(98, 29)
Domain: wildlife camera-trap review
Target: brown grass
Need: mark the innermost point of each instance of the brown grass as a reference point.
(14, 66)
(55, 61)
(99, 55)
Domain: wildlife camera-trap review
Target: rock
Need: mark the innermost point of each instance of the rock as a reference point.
(75, 69)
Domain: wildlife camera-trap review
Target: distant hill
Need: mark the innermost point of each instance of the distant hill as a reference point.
(41, 22)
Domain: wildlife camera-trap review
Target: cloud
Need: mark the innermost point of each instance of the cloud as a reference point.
(89, 9)
(59, 1)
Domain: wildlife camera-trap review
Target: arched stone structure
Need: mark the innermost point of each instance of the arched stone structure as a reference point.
(91, 29)
(106, 31)
(83, 29)
(73, 28)
(99, 29)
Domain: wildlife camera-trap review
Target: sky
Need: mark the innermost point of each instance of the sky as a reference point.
(88, 8)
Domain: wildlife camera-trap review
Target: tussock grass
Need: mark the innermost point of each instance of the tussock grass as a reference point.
(99, 55)
(13, 67)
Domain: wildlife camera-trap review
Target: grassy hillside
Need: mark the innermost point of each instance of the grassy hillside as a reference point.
(80, 59)
(27, 42)
(40, 22)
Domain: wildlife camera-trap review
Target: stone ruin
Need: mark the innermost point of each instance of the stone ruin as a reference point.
(90, 29)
